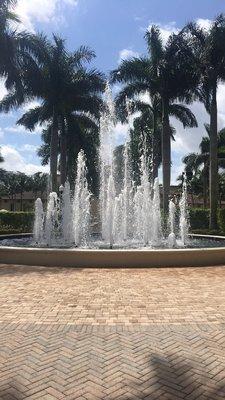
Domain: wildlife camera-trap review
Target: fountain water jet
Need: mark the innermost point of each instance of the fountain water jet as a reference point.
(171, 222)
(81, 203)
(38, 231)
(67, 215)
(183, 224)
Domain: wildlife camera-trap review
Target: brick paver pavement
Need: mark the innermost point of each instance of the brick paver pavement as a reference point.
(112, 333)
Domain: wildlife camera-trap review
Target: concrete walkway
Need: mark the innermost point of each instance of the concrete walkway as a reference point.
(112, 334)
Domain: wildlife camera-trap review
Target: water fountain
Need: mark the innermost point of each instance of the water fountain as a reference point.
(131, 226)
(129, 218)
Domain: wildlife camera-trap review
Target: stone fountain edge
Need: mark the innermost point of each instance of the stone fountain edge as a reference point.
(115, 258)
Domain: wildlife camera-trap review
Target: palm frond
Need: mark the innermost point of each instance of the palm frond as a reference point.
(136, 69)
(81, 55)
(155, 44)
(34, 116)
(11, 101)
(184, 115)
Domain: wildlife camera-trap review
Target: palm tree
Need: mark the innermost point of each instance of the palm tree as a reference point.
(39, 183)
(23, 184)
(9, 43)
(209, 49)
(167, 74)
(65, 88)
(17, 48)
(149, 128)
(81, 134)
(198, 164)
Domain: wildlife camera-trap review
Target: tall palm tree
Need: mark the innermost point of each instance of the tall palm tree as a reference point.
(149, 125)
(209, 49)
(145, 135)
(81, 134)
(168, 74)
(64, 87)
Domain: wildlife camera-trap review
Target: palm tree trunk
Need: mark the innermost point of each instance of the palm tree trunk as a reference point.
(63, 153)
(21, 201)
(213, 173)
(166, 155)
(54, 153)
(205, 181)
(154, 147)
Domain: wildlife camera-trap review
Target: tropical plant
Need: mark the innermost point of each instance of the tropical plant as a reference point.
(167, 74)
(197, 164)
(146, 135)
(39, 184)
(8, 181)
(209, 49)
(17, 48)
(79, 136)
(66, 90)
(23, 184)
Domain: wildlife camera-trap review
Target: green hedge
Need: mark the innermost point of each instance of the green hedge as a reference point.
(23, 221)
(221, 220)
(199, 218)
(19, 221)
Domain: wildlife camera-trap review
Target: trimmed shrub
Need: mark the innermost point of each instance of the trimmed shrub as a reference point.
(199, 218)
(16, 221)
(221, 219)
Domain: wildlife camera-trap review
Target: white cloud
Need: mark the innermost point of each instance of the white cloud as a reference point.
(3, 90)
(71, 2)
(145, 98)
(127, 53)
(221, 105)
(1, 133)
(14, 161)
(204, 23)
(171, 27)
(19, 129)
(44, 11)
(165, 29)
(120, 133)
(28, 148)
(31, 104)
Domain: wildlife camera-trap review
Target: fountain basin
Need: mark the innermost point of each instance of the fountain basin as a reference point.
(116, 258)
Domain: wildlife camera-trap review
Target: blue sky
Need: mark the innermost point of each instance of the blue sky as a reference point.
(115, 30)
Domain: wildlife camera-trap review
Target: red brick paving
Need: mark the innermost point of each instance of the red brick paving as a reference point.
(112, 333)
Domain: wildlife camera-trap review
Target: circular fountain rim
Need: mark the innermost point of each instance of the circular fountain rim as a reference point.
(123, 258)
